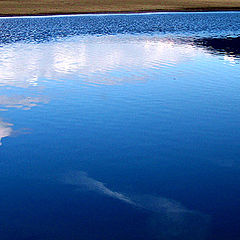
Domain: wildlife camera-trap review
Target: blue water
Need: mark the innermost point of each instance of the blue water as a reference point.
(120, 127)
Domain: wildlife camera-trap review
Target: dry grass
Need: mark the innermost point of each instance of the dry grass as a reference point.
(42, 7)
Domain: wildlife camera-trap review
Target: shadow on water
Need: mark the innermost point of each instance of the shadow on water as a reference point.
(224, 46)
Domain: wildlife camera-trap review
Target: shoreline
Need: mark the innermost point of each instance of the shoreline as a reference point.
(152, 11)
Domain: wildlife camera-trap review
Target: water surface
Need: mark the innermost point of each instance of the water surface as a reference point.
(120, 127)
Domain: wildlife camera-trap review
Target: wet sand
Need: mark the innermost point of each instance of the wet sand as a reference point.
(52, 7)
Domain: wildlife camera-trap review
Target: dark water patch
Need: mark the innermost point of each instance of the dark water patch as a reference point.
(225, 46)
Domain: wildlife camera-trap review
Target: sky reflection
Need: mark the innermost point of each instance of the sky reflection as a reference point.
(107, 60)
(150, 153)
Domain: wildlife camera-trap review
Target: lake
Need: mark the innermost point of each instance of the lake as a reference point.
(120, 127)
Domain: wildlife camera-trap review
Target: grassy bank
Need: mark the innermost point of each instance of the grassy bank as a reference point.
(45, 7)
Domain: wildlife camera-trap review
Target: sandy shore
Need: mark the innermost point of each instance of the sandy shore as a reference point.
(52, 7)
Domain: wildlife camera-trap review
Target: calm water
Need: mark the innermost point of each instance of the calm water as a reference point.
(120, 127)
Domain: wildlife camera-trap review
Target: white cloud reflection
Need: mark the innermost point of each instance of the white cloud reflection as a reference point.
(5, 130)
(169, 218)
(102, 60)
(82, 180)
(20, 102)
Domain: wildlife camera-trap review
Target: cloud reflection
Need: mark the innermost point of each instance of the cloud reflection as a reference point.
(101, 60)
(81, 179)
(20, 102)
(5, 130)
(169, 218)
